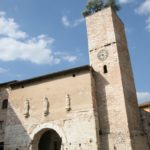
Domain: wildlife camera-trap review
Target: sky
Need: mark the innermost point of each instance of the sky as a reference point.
(42, 36)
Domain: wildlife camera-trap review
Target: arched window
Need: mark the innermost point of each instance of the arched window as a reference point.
(5, 104)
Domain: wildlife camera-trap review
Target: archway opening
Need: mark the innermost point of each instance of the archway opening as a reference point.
(50, 140)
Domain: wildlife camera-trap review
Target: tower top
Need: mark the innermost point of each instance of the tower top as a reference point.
(103, 28)
(97, 5)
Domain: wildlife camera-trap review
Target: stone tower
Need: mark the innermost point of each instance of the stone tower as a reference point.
(117, 107)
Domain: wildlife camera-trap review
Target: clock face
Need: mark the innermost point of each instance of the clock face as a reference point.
(102, 55)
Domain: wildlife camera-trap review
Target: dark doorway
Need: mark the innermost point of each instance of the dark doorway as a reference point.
(1, 145)
(50, 140)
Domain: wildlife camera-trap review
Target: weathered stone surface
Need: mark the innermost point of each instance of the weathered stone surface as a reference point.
(118, 112)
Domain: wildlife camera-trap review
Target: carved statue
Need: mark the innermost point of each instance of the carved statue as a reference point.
(45, 106)
(26, 108)
(68, 102)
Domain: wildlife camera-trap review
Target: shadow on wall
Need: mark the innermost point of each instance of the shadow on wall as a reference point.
(104, 131)
(16, 136)
(145, 115)
(3, 112)
(18, 131)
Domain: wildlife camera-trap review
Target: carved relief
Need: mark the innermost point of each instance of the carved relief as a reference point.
(45, 106)
(68, 102)
(26, 108)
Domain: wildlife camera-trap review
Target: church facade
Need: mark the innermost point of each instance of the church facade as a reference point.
(86, 108)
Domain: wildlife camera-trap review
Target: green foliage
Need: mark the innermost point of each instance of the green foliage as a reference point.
(97, 5)
(113, 4)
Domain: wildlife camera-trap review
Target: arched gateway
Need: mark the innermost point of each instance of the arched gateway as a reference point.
(47, 137)
(50, 140)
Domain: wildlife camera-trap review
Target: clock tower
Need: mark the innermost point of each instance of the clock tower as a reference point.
(117, 107)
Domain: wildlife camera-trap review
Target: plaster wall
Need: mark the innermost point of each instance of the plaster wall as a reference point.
(76, 127)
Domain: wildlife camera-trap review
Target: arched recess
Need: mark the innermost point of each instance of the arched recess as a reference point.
(43, 128)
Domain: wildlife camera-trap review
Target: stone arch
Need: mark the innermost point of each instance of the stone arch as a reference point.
(40, 129)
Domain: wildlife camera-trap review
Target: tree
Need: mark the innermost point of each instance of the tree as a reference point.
(113, 4)
(97, 5)
(92, 7)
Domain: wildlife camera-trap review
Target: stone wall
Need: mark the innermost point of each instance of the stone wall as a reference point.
(145, 117)
(3, 112)
(26, 118)
(119, 120)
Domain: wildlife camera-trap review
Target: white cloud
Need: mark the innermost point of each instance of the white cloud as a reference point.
(67, 23)
(34, 50)
(70, 58)
(2, 70)
(144, 9)
(9, 28)
(18, 45)
(124, 1)
(143, 96)
(148, 23)
(77, 22)
(65, 56)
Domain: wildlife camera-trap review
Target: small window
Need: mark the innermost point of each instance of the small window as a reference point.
(100, 132)
(105, 69)
(73, 75)
(5, 104)
(1, 125)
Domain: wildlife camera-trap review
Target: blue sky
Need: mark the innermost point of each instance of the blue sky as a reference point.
(42, 36)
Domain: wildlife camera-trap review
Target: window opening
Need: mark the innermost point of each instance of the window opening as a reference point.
(105, 69)
(5, 104)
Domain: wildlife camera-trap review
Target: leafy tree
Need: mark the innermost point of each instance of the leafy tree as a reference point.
(97, 5)
(92, 7)
(113, 4)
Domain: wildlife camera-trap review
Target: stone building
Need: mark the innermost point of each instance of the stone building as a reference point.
(86, 108)
(145, 117)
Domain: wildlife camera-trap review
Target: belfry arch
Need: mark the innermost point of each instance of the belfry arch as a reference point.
(47, 136)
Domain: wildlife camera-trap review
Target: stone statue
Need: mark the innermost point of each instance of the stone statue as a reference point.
(26, 108)
(68, 102)
(45, 106)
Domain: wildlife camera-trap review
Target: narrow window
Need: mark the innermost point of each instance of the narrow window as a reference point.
(5, 104)
(105, 69)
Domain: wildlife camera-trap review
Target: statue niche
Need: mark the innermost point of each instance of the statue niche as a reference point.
(45, 106)
(68, 102)
(26, 108)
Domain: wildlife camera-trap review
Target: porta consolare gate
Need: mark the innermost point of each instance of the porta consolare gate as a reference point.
(48, 136)
(91, 107)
